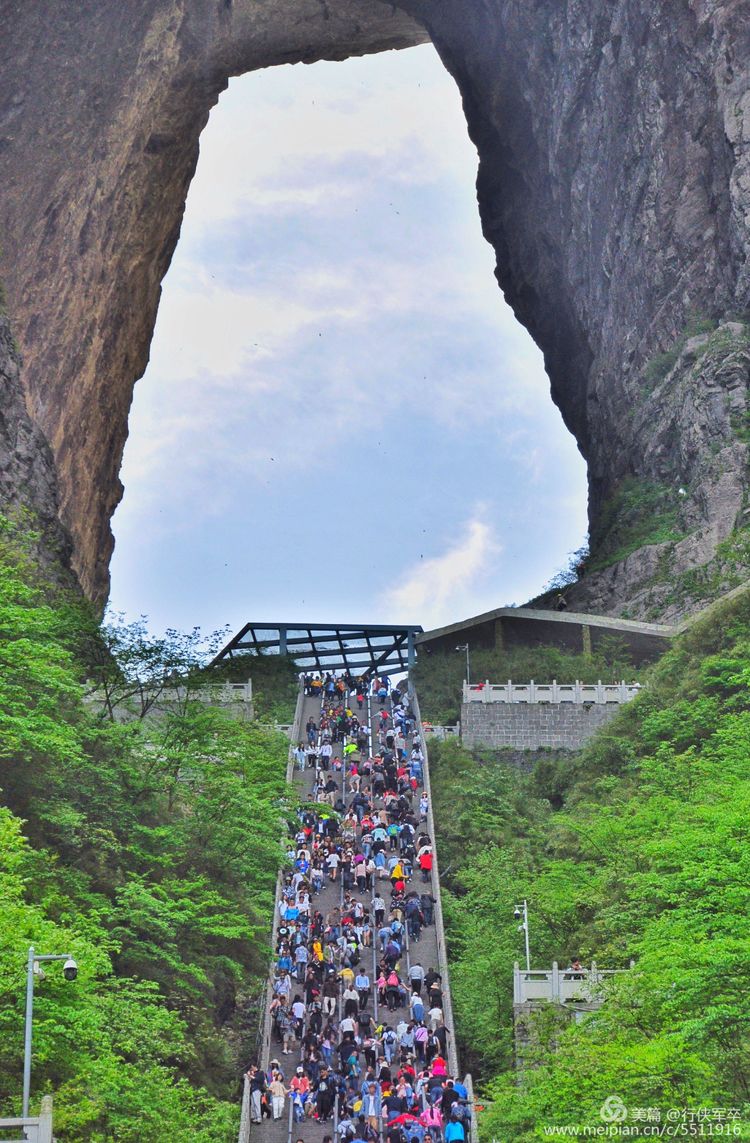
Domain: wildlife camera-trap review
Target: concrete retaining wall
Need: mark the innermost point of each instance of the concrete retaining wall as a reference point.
(532, 726)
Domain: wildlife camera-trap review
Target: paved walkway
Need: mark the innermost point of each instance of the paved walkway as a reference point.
(423, 950)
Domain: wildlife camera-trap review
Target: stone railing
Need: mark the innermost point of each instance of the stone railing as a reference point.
(286, 728)
(244, 1132)
(442, 965)
(266, 1027)
(38, 1129)
(554, 692)
(473, 1120)
(145, 701)
(561, 985)
(441, 732)
(220, 694)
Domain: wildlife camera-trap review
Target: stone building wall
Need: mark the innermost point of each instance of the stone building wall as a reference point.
(532, 726)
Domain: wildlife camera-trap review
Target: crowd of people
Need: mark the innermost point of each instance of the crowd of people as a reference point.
(357, 1013)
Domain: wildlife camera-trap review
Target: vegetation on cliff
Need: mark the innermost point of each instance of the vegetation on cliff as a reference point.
(438, 676)
(275, 683)
(149, 851)
(647, 858)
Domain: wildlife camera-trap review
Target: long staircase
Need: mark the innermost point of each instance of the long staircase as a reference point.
(430, 950)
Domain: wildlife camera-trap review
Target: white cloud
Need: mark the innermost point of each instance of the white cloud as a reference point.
(331, 316)
(439, 589)
(217, 330)
(255, 147)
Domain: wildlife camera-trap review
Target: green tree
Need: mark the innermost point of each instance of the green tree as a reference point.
(149, 850)
(636, 847)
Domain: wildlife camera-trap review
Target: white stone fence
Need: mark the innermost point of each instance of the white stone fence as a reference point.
(562, 985)
(553, 692)
(219, 694)
(134, 701)
(441, 732)
(37, 1129)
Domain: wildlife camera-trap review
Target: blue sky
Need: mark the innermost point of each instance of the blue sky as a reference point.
(341, 419)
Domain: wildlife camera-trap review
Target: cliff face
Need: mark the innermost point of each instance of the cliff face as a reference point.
(28, 483)
(101, 107)
(614, 184)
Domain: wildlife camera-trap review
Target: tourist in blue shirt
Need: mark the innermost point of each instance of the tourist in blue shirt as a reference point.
(454, 1131)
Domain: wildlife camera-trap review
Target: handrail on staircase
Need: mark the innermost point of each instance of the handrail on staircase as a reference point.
(266, 1024)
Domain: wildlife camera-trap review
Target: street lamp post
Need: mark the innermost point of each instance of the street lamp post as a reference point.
(465, 647)
(522, 911)
(70, 971)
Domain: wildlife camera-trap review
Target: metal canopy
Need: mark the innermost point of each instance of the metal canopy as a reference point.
(357, 648)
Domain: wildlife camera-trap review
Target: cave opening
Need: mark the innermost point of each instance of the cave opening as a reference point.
(341, 418)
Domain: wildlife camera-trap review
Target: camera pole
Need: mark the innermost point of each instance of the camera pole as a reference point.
(31, 967)
(521, 913)
(526, 934)
(27, 1033)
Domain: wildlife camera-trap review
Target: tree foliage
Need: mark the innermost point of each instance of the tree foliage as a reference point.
(439, 675)
(647, 857)
(148, 850)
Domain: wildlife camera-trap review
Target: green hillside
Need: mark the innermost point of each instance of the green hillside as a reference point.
(147, 850)
(439, 675)
(647, 856)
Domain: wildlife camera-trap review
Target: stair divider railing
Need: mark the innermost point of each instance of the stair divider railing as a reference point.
(290, 1120)
(439, 925)
(375, 889)
(340, 982)
(264, 1054)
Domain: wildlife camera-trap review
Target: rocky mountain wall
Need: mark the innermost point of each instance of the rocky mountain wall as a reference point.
(614, 185)
(101, 107)
(28, 482)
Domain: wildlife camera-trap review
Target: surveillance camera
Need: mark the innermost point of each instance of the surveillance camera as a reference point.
(517, 914)
(70, 969)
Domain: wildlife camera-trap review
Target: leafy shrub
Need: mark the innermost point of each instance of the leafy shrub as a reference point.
(439, 675)
(640, 512)
(646, 858)
(149, 850)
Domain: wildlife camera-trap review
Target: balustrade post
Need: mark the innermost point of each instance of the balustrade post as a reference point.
(518, 997)
(244, 1132)
(486, 692)
(555, 984)
(44, 1132)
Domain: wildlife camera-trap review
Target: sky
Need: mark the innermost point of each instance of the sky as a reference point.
(341, 419)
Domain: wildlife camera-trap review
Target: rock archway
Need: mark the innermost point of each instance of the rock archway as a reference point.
(614, 184)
